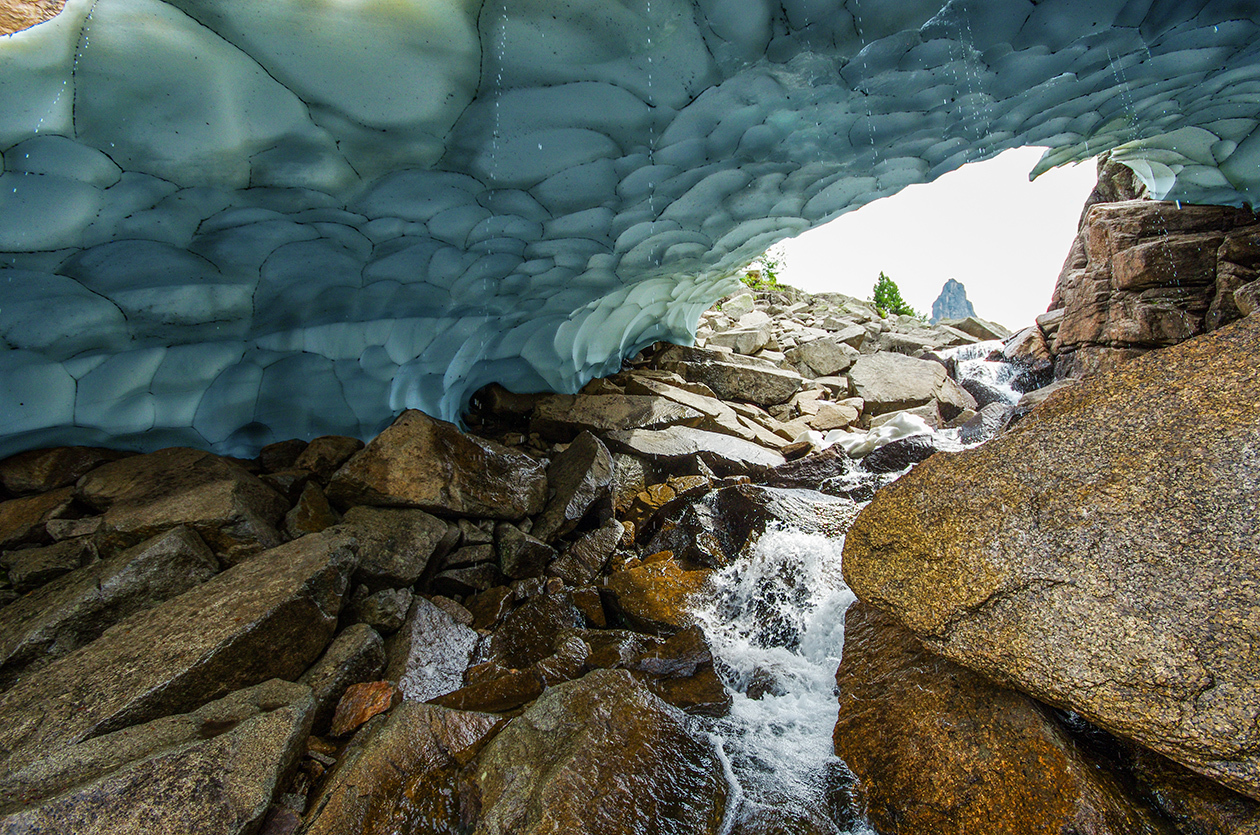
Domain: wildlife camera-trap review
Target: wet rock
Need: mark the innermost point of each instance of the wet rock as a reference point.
(505, 690)
(324, 455)
(68, 613)
(489, 607)
(1196, 805)
(215, 638)
(1033, 399)
(528, 634)
(578, 478)
(288, 483)
(896, 456)
(680, 671)
(583, 561)
(401, 771)
(396, 545)
(717, 416)
(234, 512)
(1105, 559)
(429, 464)
(31, 568)
(561, 417)
(721, 526)
(44, 470)
(467, 580)
(602, 756)
(940, 749)
(62, 529)
(357, 654)
(385, 610)
(726, 455)
(732, 377)
(428, 656)
(986, 424)
(23, 521)
(213, 770)
(311, 514)
(654, 597)
(520, 554)
(281, 455)
(983, 393)
(362, 701)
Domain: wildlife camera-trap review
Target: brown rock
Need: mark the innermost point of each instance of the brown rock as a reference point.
(220, 636)
(43, 470)
(509, 690)
(324, 455)
(561, 417)
(311, 514)
(14, 17)
(490, 607)
(528, 634)
(1105, 559)
(280, 455)
(401, 770)
(602, 756)
(429, 464)
(357, 654)
(288, 483)
(70, 612)
(939, 749)
(520, 554)
(30, 568)
(585, 559)
(467, 580)
(22, 521)
(213, 770)
(655, 597)
(234, 512)
(361, 702)
(396, 545)
(579, 477)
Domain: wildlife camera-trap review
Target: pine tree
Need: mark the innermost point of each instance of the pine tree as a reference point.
(887, 298)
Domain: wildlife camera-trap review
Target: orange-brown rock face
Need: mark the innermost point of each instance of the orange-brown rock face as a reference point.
(16, 15)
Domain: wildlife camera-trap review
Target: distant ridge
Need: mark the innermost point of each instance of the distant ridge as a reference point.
(952, 303)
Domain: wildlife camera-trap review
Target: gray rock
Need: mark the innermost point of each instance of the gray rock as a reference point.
(986, 423)
(396, 545)
(826, 356)
(428, 656)
(520, 554)
(234, 512)
(979, 328)
(890, 382)
(70, 612)
(562, 417)
(1106, 558)
(356, 655)
(739, 305)
(731, 376)
(477, 478)
(578, 478)
(1035, 398)
(743, 340)
(723, 452)
(209, 641)
(399, 764)
(215, 770)
(718, 416)
(385, 610)
(601, 755)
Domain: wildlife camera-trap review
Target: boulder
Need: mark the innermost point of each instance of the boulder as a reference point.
(721, 526)
(520, 554)
(717, 416)
(384, 610)
(428, 655)
(602, 756)
(746, 341)
(44, 470)
(561, 417)
(360, 702)
(430, 464)
(324, 455)
(357, 654)
(1105, 557)
(73, 610)
(582, 561)
(655, 596)
(311, 514)
(281, 455)
(213, 770)
(731, 376)
(24, 521)
(896, 456)
(578, 477)
(233, 511)
(31, 568)
(191, 649)
(724, 454)
(985, 424)
(979, 328)
(890, 382)
(939, 749)
(826, 356)
(834, 416)
(402, 769)
(396, 544)
(528, 634)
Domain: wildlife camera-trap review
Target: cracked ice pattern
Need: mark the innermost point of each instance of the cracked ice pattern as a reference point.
(224, 222)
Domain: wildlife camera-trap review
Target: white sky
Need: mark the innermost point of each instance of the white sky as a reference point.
(985, 225)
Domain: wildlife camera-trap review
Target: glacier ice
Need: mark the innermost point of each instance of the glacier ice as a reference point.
(225, 222)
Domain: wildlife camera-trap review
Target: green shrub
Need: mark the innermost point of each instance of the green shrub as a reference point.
(765, 270)
(887, 298)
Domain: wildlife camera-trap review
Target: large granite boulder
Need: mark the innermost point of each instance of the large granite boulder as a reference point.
(220, 636)
(561, 417)
(890, 382)
(601, 755)
(937, 748)
(429, 464)
(578, 477)
(1103, 555)
(42, 470)
(214, 770)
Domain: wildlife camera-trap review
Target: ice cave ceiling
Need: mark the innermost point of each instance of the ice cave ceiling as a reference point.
(224, 222)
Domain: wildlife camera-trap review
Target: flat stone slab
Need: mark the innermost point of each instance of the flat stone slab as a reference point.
(220, 636)
(562, 416)
(681, 442)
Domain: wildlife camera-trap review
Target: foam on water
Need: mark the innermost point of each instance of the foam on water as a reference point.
(775, 623)
(972, 363)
